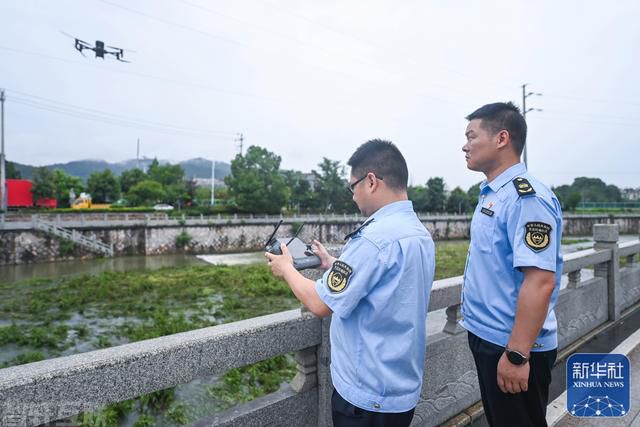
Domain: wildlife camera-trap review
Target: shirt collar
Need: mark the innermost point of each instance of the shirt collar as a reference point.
(392, 208)
(508, 175)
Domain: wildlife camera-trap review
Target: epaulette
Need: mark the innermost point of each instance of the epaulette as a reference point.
(523, 187)
(354, 232)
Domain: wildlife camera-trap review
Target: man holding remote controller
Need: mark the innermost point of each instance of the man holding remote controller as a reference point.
(378, 292)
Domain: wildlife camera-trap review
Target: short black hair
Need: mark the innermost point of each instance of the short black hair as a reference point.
(503, 116)
(384, 160)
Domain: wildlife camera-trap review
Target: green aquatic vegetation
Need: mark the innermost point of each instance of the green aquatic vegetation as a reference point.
(28, 357)
(241, 385)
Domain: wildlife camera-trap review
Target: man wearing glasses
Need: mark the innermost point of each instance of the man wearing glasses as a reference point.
(378, 292)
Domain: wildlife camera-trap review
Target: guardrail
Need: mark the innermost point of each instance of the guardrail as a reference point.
(52, 389)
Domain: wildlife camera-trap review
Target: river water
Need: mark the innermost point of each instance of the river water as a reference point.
(18, 273)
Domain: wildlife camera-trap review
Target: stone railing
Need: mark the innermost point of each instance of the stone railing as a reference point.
(43, 391)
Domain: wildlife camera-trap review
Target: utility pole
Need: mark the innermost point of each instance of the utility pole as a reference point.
(3, 171)
(213, 182)
(241, 139)
(525, 95)
(138, 155)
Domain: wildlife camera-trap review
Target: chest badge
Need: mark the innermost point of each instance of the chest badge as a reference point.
(338, 278)
(487, 211)
(537, 235)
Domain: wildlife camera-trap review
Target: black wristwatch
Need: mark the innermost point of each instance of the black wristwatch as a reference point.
(516, 357)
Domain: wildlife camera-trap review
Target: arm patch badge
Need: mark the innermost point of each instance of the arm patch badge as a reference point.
(523, 187)
(338, 277)
(537, 236)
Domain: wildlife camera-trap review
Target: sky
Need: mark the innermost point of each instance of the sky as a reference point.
(313, 79)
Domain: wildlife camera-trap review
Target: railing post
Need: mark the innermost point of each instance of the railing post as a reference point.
(306, 364)
(454, 315)
(574, 279)
(606, 237)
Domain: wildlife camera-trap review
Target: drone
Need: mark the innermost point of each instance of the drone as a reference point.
(99, 48)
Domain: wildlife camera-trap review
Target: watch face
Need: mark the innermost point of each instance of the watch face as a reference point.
(515, 358)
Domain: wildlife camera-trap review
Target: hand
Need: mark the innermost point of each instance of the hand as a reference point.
(280, 264)
(512, 378)
(326, 260)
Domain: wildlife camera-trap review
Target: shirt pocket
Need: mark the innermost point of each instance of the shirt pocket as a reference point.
(482, 232)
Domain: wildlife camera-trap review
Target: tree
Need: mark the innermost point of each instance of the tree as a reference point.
(331, 187)
(572, 201)
(165, 174)
(43, 186)
(418, 195)
(131, 177)
(104, 187)
(473, 193)
(458, 201)
(12, 172)
(63, 184)
(255, 183)
(435, 195)
(146, 192)
(302, 198)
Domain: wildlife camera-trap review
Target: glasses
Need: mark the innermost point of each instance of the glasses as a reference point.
(353, 184)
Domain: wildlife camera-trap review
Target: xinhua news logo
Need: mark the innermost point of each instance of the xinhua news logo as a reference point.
(598, 385)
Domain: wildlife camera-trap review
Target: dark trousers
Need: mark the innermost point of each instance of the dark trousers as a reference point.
(505, 409)
(345, 414)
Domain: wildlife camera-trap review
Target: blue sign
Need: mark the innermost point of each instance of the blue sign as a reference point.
(598, 385)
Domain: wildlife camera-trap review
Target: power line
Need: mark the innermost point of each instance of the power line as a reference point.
(141, 75)
(119, 117)
(175, 24)
(106, 120)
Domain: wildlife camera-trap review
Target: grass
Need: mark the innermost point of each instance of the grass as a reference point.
(116, 307)
(568, 241)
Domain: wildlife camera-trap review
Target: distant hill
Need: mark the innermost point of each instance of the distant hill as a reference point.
(193, 168)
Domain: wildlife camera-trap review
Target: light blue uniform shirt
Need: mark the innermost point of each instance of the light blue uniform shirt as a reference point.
(378, 328)
(510, 231)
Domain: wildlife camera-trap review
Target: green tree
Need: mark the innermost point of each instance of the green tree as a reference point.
(43, 186)
(12, 172)
(331, 187)
(165, 174)
(435, 195)
(104, 187)
(255, 183)
(146, 192)
(176, 193)
(572, 201)
(131, 177)
(458, 201)
(473, 193)
(63, 184)
(418, 195)
(302, 198)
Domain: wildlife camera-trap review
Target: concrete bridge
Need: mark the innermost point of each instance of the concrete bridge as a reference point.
(589, 301)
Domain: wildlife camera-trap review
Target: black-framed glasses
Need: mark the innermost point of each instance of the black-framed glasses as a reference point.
(358, 181)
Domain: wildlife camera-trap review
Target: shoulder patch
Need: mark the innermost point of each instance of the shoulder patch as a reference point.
(338, 278)
(523, 187)
(537, 235)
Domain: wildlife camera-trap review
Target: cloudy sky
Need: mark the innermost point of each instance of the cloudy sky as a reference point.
(312, 79)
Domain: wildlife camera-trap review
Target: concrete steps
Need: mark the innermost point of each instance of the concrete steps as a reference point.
(78, 238)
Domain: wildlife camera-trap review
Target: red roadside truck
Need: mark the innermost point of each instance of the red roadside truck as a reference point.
(19, 195)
